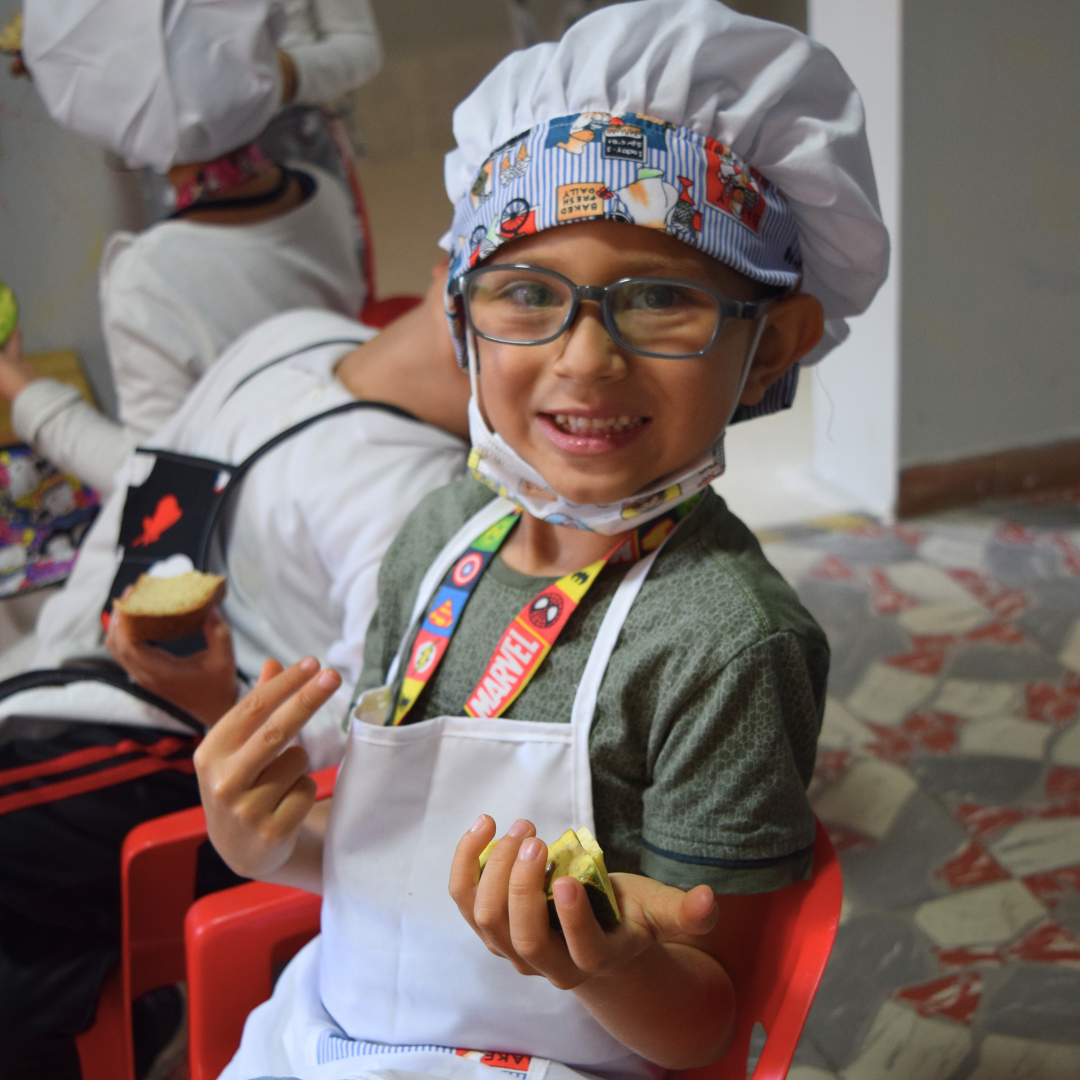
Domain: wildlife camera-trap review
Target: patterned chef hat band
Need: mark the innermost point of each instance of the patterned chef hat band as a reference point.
(636, 169)
(629, 168)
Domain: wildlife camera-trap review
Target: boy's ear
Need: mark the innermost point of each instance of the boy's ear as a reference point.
(795, 325)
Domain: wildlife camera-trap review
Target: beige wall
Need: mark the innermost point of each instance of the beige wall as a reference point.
(991, 227)
(436, 52)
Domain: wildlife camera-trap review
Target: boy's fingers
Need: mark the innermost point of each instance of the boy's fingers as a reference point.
(464, 870)
(491, 906)
(699, 910)
(670, 912)
(218, 637)
(531, 935)
(269, 670)
(589, 947)
(277, 780)
(237, 726)
(270, 734)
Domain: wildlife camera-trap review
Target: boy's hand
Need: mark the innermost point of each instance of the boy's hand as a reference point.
(15, 373)
(507, 908)
(254, 784)
(204, 683)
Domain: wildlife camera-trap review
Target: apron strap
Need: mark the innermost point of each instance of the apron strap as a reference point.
(241, 470)
(607, 637)
(107, 674)
(288, 356)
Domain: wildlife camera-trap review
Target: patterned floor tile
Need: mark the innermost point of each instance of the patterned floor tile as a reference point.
(1066, 749)
(977, 777)
(1036, 1001)
(1002, 1057)
(984, 915)
(976, 699)
(888, 693)
(902, 1045)
(949, 779)
(868, 798)
(1006, 736)
(898, 872)
(1033, 847)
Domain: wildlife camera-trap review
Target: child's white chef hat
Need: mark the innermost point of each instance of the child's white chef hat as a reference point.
(158, 82)
(742, 137)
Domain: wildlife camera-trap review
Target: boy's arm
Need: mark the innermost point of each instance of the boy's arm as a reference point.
(655, 982)
(259, 800)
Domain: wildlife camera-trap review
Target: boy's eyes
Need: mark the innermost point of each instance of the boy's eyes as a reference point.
(528, 294)
(655, 297)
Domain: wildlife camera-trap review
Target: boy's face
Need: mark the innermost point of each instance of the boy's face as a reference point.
(643, 417)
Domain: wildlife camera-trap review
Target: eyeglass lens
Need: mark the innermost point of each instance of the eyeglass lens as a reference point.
(527, 307)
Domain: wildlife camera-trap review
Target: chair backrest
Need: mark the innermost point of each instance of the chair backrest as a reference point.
(157, 883)
(779, 946)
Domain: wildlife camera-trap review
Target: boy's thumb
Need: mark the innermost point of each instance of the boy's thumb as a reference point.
(698, 911)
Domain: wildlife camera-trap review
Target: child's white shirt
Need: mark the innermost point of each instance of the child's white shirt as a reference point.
(173, 298)
(312, 522)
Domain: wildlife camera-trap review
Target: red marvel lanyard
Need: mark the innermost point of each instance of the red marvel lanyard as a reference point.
(532, 632)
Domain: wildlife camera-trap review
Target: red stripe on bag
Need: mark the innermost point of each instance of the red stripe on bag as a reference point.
(83, 785)
(79, 759)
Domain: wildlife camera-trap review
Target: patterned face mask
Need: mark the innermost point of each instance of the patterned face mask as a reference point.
(592, 166)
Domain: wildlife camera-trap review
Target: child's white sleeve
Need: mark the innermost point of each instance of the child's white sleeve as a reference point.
(53, 418)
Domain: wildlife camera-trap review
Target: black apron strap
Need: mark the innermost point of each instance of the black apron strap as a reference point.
(107, 674)
(241, 470)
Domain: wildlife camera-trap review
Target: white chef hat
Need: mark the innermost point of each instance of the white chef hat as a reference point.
(742, 137)
(158, 82)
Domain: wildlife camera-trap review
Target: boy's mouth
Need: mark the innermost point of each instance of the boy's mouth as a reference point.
(595, 425)
(575, 433)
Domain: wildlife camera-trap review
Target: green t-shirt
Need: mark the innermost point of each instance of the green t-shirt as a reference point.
(707, 719)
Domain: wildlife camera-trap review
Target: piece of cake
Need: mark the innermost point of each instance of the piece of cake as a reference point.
(159, 609)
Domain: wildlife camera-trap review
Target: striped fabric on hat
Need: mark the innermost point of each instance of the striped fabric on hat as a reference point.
(629, 168)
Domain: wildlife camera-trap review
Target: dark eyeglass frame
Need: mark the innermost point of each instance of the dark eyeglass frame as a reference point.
(726, 307)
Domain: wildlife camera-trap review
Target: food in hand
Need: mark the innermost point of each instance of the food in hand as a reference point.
(159, 609)
(9, 314)
(576, 855)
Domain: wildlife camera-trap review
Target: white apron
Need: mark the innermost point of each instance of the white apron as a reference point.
(398, 979)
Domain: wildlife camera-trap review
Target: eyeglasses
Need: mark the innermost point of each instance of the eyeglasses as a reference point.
(662, 317)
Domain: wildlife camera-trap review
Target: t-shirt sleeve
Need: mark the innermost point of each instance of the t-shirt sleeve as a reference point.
(727, 805)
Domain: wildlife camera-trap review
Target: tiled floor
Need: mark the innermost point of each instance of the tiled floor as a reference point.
(949, 778)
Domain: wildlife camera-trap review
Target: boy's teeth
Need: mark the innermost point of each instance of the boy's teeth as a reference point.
(584, 425)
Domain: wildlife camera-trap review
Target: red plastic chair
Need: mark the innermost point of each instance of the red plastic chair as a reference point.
(381, 313)
(157, 883)
(779, 947)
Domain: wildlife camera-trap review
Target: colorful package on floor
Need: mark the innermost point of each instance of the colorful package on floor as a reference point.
(44, 515)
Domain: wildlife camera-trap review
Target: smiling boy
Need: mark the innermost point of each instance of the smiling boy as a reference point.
(586, 636)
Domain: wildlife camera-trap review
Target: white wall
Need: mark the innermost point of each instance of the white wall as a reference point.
(58, 202)
(991, 218)
(856, 387)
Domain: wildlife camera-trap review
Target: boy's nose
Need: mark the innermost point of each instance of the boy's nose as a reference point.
(588, 351)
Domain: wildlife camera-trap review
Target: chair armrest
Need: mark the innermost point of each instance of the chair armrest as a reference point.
(235, 941)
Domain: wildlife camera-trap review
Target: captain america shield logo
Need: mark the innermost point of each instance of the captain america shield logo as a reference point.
(467, 569)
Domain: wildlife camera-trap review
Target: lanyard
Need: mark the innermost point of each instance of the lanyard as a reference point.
(532, 632)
